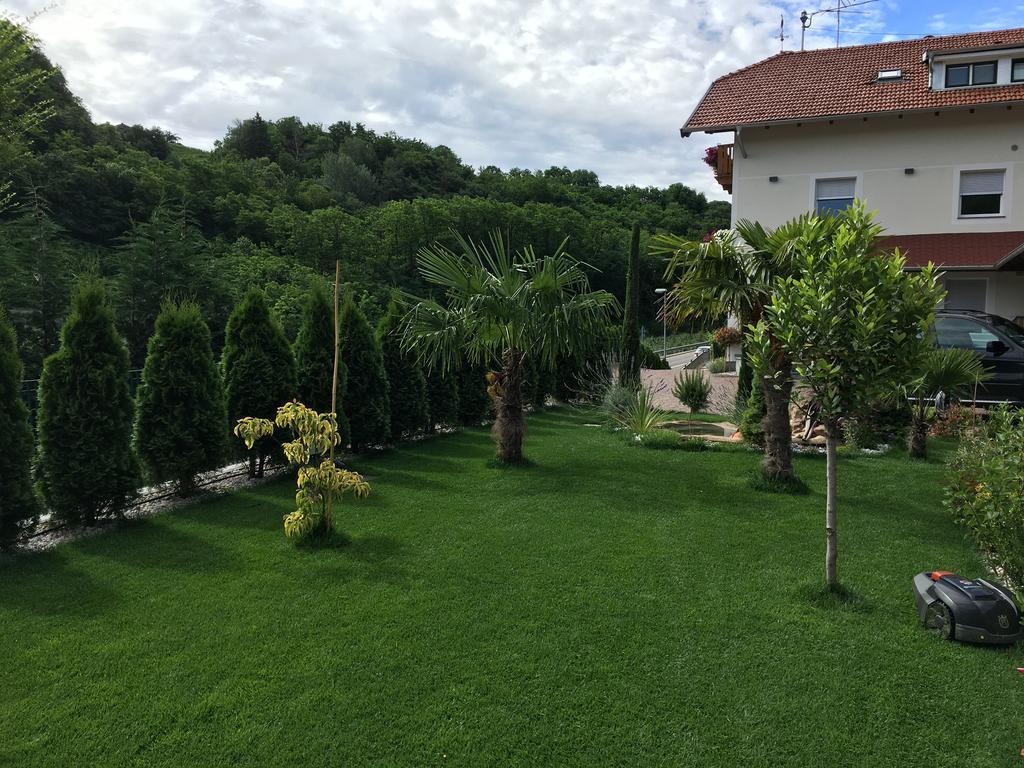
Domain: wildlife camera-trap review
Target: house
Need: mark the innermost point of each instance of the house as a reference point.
(929, 132)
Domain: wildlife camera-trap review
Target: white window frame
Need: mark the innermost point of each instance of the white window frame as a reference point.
(1005, 203)
(857, 185)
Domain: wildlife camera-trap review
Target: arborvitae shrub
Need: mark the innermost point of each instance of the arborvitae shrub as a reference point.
(407, 387)
(18, 502)
(181, 427)
(442, 399)
(367, 403)
(314, 359)
(86, 466)
(474, 403)
(629, 366)
(259, 369)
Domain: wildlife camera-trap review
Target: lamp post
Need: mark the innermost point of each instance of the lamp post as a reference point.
(663, 293)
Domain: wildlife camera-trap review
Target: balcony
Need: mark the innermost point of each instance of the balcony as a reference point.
(722, 166)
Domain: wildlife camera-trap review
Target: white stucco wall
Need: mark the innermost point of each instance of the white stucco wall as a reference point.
(876, 152)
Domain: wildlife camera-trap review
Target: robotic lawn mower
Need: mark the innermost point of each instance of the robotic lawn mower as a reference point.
(969, 610)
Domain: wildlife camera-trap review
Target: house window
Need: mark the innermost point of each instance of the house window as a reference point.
(981, 193)
(1017, 71)
(979, 73)
(833, 195)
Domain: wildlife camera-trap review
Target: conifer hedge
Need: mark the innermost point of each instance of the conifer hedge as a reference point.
(407, 387)
(442, 399)
(259, 369)
(314, 359)
(181, 425)
(18, 502)
(366, 403)
(86, 466)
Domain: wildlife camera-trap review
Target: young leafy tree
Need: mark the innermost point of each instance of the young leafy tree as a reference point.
(86, 466)
(367, 402)
(630, 357)
(443, 399)
(855, 326)
(259, 369)
(500, 307)
(407, 387)
(314, 359)
(181, 423)
(18, 501)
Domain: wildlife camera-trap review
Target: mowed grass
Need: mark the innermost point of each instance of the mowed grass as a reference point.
(608, 606)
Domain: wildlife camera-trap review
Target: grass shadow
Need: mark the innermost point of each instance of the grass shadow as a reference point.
(45, 583)
(837, 597)
(158, 545)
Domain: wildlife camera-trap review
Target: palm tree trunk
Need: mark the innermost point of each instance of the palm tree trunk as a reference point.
(917, 443)
(831, 538)
(510, 424)
(778, 438)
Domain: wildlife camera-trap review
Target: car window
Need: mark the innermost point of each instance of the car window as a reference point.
(963, 333)
(1007, 328)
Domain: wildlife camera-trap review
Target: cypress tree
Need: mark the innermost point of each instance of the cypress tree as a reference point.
(314, 358)
(474, 403)
(629, 364)
(367, 403)
(18, 501)
(407, 387)
(86, 466)
(181, 426)
(442, 399)
(259, 369)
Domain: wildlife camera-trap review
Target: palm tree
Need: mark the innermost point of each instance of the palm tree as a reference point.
(731, 273)
(502, 306)
(954, 372)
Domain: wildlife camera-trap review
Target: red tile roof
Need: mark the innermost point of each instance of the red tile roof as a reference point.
(983, 250)
(831, 82)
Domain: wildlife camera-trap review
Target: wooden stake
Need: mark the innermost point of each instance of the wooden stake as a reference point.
(334, 377)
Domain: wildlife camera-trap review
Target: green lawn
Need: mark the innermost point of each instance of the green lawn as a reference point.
(609, 606)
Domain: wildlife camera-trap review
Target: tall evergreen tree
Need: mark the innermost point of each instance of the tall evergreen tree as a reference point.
(181, 426)
(407, 386)
(629, 365)
(251, 138)
(314, 358)
(86, 466)
(367, 402)
(259, 369)
(442, 399)
(18, 502)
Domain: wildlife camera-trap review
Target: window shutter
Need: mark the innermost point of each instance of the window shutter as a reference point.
(828, 189)
(981, 182)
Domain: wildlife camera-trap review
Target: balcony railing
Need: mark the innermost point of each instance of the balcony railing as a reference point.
(723, 167)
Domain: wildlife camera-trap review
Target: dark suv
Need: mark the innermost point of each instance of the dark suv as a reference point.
(999, 343)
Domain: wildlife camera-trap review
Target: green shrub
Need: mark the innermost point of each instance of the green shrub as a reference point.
(86, 466)
(18, 502)
(651, 360)
(474, 404)
(751, 424)
(442, 399)
(181, 425)
(407, 387)
(986, 494)
(259, 369)
(635, 411)
(367, 403)
(692, 389)
(314, 359)
(882, 423)
(668, 439)
(717, 365)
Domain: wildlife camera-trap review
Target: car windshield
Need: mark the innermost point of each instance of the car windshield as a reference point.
(1005, 327)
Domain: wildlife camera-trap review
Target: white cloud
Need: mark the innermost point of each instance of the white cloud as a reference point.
(603, 85)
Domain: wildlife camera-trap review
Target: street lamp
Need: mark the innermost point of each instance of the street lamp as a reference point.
(663, 292)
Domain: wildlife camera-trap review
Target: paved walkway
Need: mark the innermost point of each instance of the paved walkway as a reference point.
(723, 390)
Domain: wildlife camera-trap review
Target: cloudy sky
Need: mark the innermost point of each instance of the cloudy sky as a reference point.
(602, 84)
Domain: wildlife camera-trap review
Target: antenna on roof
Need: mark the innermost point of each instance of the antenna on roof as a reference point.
(841, 6)
(782, 33)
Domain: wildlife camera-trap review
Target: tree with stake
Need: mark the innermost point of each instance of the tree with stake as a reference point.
(181, 426)
(629, 357)
(86, 466)
(367, 402)
(314, 359)
(500, 306)
(18, 501)
(259, 369)
(855, 326)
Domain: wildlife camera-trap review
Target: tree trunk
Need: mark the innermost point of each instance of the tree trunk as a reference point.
(252, 465)
(778, 437)
(510, 424)
(831, 539)
(263, 461)
(917, 442)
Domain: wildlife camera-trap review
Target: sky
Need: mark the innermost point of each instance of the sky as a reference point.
(602, 84)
